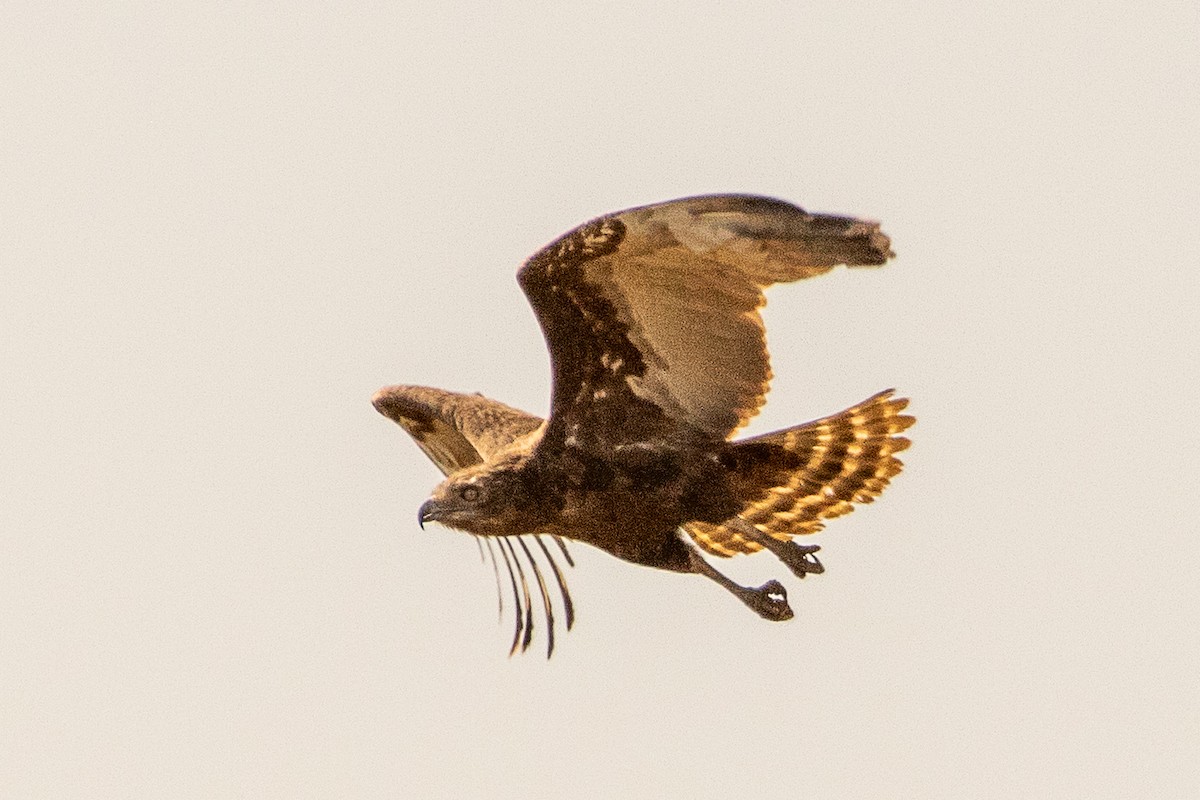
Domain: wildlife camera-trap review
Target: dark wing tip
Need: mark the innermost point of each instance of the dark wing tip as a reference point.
(389, 401)
(846, 240)
(408, 404)
(827, 238)
(877, 244)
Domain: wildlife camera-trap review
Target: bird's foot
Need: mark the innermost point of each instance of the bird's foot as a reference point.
(799, 558)
(769, 601)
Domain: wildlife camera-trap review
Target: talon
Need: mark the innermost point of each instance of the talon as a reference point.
(773, 589)
(771, 602)
(797, 557)
(805, 563)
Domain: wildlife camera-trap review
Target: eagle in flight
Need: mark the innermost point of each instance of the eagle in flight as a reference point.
(658, 356)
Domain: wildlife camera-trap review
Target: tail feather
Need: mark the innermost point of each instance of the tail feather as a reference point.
(832, 463)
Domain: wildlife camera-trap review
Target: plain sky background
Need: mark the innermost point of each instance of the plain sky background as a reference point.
(223, 226)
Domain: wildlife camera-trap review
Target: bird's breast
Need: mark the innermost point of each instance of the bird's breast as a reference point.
(636, 495)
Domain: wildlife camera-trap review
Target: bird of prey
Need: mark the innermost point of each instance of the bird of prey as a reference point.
(658, 356)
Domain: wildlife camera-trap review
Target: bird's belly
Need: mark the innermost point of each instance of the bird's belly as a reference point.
(631, 502)
(634, 526)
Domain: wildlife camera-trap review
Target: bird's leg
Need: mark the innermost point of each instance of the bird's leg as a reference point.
(769, 601)
(798, 558)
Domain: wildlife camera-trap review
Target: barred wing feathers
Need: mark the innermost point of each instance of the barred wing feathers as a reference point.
(849, 458)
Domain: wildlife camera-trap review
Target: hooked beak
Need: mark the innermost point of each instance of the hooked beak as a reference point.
(443, 510)
(427, 513)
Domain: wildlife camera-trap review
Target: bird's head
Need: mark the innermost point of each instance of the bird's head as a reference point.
(479, 499)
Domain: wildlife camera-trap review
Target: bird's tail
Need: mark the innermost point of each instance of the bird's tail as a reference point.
(798, 477)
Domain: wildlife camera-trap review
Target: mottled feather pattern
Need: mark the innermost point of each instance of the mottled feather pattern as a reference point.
(848, 458)
(591, 353)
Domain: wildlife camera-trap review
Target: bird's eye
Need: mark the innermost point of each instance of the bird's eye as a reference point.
(469, 493)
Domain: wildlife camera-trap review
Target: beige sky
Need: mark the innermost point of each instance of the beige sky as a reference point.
(221, 229)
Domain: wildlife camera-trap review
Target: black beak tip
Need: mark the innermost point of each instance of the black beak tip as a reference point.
(425, 513)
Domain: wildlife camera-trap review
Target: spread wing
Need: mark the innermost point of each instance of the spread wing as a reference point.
(651, 314)
(454, 430)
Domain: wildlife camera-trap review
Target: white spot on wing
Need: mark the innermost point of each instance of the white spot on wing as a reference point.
(611, 362)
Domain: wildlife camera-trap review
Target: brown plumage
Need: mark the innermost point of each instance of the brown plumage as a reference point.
(658, 356)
